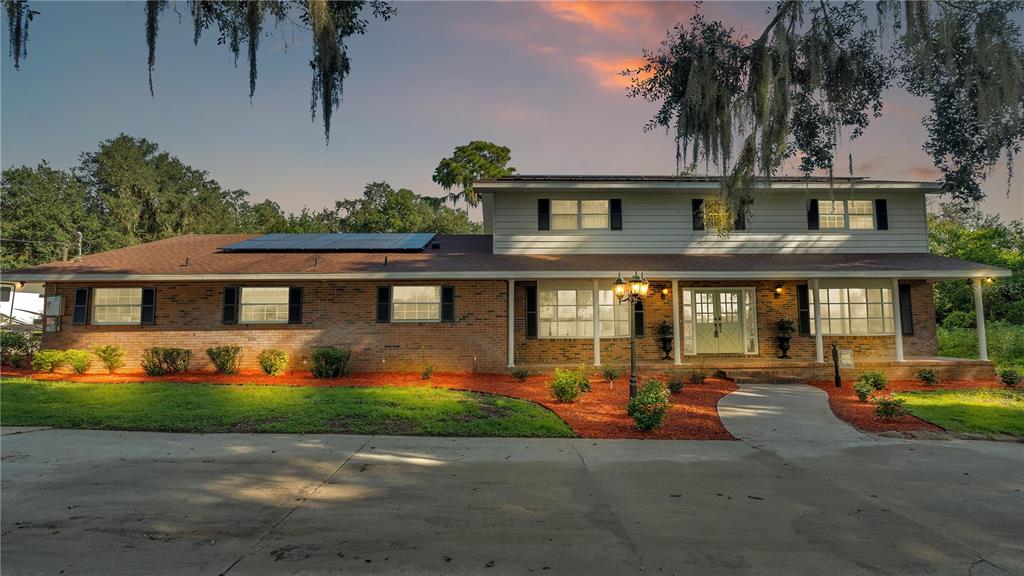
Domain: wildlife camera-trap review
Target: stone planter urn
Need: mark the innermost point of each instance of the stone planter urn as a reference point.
(785, 327)
(783, 345)
(666, 347)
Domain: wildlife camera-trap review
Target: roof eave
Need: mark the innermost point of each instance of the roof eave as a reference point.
(496, 185)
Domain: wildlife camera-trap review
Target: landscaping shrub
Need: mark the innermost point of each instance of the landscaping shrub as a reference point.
(697, 377)
(520, 374)
(649, 407)
(873, 378)
(330, 362)
(566, 384)
(675, 381)
(928, 376)
(17, 348)
(427, 372)
(79, 360)
(273, 361)
(112, 357)
(611, 373)
(1010, 376)
(863, 390)
(1005, 343)
(890, 407)
(49, 360)
(158, 361)
(225, 358)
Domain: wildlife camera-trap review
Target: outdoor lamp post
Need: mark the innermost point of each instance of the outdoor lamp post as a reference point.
(633, 291)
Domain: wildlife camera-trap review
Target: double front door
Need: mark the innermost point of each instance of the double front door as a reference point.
(718, 316)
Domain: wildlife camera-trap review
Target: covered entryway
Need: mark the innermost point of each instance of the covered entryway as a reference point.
(718, 321)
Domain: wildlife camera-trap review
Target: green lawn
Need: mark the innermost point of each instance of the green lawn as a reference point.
(999, 411)
(419, 411)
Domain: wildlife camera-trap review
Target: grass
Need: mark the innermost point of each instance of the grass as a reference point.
(987, 411)
(415, 411)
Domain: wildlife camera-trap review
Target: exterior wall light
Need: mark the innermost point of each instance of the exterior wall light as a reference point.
(778, 291)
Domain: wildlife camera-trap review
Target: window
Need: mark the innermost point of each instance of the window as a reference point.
(416, 304)
(832, 213)
(854, 311)
(614, 315)
(117, 306)
(5, 293)
(265, 304)
(594, 214)
(576, 214)
(570, 314)
(862, 214)
(846, 214)
(564, 215)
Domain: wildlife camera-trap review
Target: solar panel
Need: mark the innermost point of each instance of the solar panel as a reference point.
(334, 242)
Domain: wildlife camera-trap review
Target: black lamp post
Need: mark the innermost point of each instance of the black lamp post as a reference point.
(633, 291)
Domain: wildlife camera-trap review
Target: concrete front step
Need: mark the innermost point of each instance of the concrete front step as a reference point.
(768, 380)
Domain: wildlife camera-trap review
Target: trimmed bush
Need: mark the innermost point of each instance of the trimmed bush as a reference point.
(863, 390)
(676, 378)
(890, 407)
(611, 373)
(48, 360)
(565, 384)
(79, 360)
(112, 357)
(273, 361)
(158, 361)
(520, 374)
(17, 348)
(427, 372)
(649, 407)
(1010, 376)
(873, 378)
(928, 376)
(330, 362)
(697, 377)
(225, 358)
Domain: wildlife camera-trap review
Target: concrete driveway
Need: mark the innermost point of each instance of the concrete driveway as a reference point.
(93, 502)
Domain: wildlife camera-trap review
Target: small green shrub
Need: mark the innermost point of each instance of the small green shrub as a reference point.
(649, 407)
(960, 320)
(158, 361)
(676, 378)
(863, 390)
(566, 384)
(890, 407)
(273, 361)
(697, 377)
(928, 376)
(330, 362)
(427, 372)
(611, 373)
(520, 374)
(112, 357)
(49, 360)
(1009, 376)
(873, 378)
(79, 360)
(17, 348)
(225, 358)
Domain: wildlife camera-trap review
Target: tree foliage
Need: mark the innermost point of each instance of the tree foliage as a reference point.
(816, 76)
(330, 22)
(469, 163)
(384, 209)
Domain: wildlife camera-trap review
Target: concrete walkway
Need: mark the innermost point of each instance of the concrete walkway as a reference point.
(792, 420)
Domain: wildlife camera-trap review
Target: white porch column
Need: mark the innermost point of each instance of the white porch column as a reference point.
(979, 317)
(897, 321)
(819, 341)
(597, 325)
(675, 322)
(511, 323)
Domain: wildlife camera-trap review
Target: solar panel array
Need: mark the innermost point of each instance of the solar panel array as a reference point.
(334, 242)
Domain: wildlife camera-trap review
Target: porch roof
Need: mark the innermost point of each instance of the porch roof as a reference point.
(200, 258)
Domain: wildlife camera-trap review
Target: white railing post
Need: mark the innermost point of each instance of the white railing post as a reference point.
(597, 324)
(979, 317)
(678, 357)
(897, 321)
(819, 340)
(511, 323)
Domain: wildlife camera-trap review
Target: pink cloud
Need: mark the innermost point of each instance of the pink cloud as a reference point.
(922, 172)
(541, 49)
(607, 70)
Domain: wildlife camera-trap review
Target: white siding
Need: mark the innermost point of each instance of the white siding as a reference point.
(659, 222)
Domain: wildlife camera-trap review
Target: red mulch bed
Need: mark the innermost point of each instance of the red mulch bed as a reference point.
(600, 413)
(847, 407)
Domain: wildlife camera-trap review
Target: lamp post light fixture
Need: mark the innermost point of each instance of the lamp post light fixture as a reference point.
(633, 291)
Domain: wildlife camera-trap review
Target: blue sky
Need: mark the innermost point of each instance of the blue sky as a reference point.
(539, 78)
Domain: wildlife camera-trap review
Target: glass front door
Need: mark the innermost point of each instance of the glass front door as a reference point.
(718, 320)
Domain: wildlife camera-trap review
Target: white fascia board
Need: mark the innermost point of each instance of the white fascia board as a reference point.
(927, 187)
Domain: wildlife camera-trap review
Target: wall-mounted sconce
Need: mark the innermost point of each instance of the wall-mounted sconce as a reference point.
(989, 280)
(778, 291)
(664, 293)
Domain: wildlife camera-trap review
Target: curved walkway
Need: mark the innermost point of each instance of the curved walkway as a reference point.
(788, 419)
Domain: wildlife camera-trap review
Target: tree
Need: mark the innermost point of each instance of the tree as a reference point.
(384, 209)
(330, 22)
(476, 160)
(816, 75)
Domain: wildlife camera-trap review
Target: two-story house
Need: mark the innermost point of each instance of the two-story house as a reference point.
(847, 262)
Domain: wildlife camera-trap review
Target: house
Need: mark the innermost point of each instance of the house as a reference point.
(846, 260)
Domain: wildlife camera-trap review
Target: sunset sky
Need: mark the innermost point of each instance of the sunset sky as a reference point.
(539, 78)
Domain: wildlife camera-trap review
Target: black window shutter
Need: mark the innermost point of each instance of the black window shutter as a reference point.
(447, 304)
(740, 223)
(230, 314)
(543, 214)
(295, 305)
(148, 316)
(638, 319)
(383, 303)
(81, 310)
(697, 206)
(906, 311)
(803, 310)
(531, 311)
(615, 209)
(813, 222)
(881, 214)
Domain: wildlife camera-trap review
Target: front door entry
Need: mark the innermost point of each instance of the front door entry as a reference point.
(718, 315)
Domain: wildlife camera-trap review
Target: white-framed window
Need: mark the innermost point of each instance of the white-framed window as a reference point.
(614, 315)
(565, 215)
(117, 306)
(593, 214)
(854, 311)
(264, 305)
(416, 304)
(580, 214)
(846, 214)
(861, 214)
(569, 313)
(831, 214)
